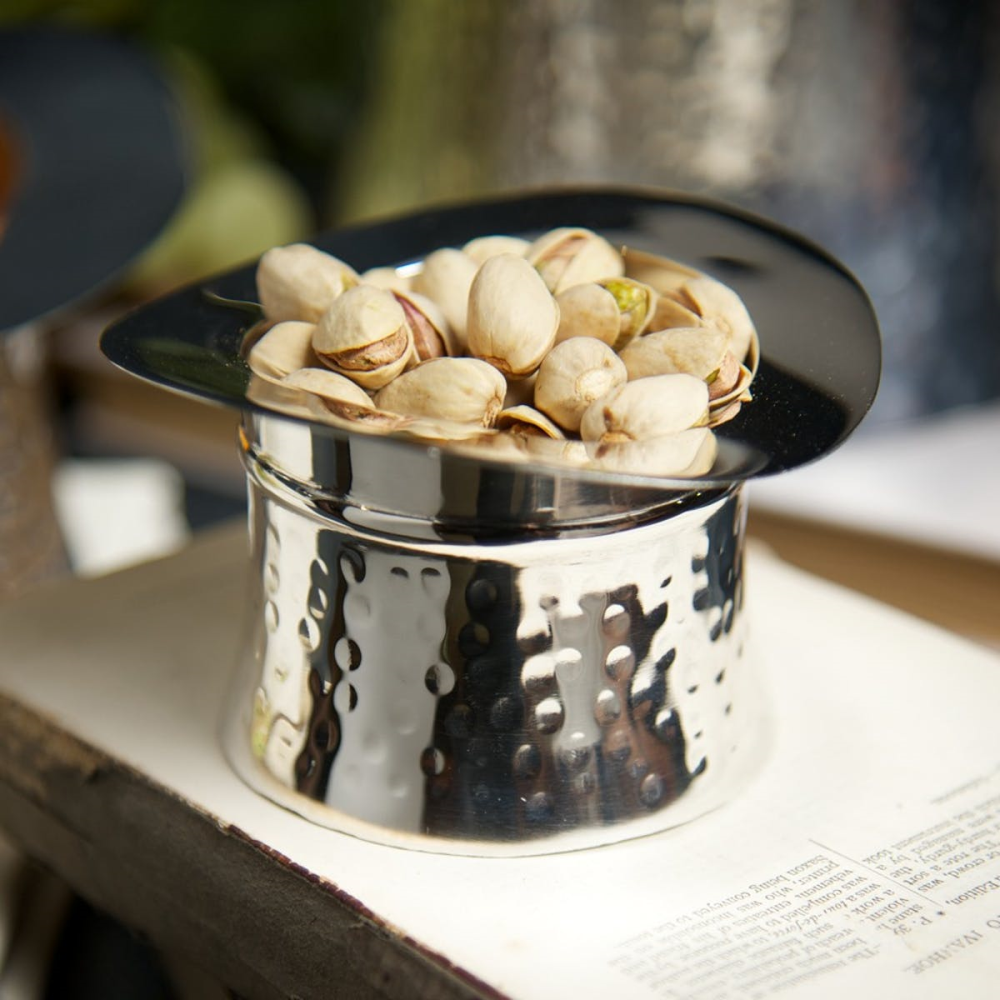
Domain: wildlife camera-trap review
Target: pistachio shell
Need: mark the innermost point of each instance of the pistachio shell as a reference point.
(465, 390)
(740, 390)
(646, 408)
(659, 272)
(512, 317)
(719, 304)
(445, 278)
(669, 313)
(432, 337)
(724, 414)
(570, 256)
(686, 454)
(588, 310)
(725, 377)
(525, 419)
(697, 351)
(292, 402)
(386, 277)
(574, 374)
(284, 348)
(300, 282)
(483, 247)
(328, 385)
(364, 335)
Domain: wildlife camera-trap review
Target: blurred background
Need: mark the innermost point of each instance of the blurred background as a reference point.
(869, 127)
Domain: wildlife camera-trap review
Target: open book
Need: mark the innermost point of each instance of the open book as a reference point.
(862, 859)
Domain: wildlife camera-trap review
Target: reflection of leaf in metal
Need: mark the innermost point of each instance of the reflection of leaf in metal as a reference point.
(240, 305)
(196, 367)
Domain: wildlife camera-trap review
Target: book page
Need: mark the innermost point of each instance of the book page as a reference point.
(863, 855)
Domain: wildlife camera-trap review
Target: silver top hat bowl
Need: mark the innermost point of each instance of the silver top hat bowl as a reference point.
(451, 651)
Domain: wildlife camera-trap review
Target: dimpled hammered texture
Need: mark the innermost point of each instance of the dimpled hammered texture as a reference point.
(550, 693)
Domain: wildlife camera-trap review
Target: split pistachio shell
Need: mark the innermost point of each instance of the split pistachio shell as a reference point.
(718, 304)
(740, 391)
(588, 310)
(285, 348)
(525, 419)
(465, 390)
(445, 278)
(646, 408)
(300, 282)
(697, 351)
(636, 303)
(574, 374)
(364, 335)
(328, 385)
(726, 377)
(661, 273)
(512, 317)
(669, 313)
(724, 414)
(568, 256)
(386, 277)
(484, 247)
(686, 454)
(432, 337)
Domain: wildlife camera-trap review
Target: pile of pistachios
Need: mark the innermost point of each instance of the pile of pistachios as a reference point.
(562, 350)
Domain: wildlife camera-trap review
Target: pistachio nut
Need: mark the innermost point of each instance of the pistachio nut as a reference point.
(329, 386)
(512, 317)
(432, 337)
(300, 282)
(386, 277)
(465, 390)
(718, 304)
(636, 304)
(526, 420)
(364, 335)
(483, 247)
(686, 454)
(588, 310)
(284, 348)
(570, 256)
(445, 278)
(574, 374)
(646, 408)
(697, 351)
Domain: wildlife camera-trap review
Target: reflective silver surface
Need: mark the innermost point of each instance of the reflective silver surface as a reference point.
(472, 685)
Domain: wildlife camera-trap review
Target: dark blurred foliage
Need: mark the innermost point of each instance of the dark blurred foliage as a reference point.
(297, 70)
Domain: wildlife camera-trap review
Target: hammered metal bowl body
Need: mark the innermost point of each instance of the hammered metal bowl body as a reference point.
(417, 673)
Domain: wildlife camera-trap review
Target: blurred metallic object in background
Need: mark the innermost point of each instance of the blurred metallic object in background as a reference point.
(30, 544)
(867, 127)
